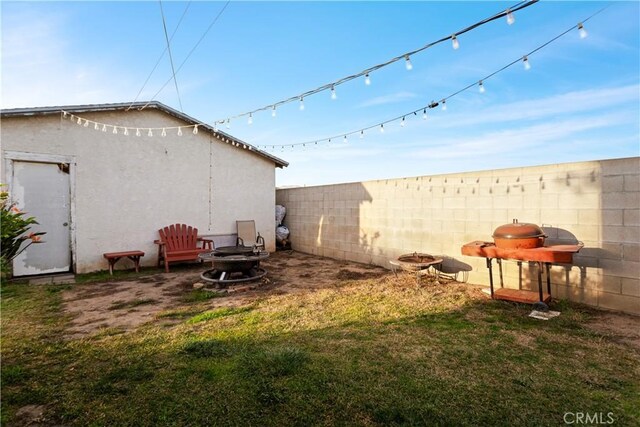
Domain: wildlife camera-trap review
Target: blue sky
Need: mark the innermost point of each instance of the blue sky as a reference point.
(579, 101)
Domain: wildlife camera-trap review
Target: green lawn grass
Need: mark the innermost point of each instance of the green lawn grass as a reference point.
(365, 352)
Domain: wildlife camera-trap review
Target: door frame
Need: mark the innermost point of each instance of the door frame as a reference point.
(12, 156)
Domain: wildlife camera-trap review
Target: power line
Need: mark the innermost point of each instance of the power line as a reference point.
(160, 58)
(173, 70)
(189, 54)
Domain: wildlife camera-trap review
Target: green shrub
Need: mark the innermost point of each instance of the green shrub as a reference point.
(14, 232)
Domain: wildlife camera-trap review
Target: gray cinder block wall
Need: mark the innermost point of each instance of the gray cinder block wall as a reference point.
(596, 202)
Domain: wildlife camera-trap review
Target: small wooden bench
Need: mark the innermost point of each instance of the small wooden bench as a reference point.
(113, 257)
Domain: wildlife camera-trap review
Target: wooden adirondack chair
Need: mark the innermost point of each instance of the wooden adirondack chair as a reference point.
(179, 242)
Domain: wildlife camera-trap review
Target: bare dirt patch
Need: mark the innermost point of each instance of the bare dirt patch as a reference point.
(621, 327)
(125, 305)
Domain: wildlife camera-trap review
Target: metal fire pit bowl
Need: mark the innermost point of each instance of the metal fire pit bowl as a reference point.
(417, 261)
(233, 268)
(233, 250)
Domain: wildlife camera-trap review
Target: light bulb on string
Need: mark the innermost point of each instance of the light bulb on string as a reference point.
(195, 130)
(510, 18)
(402, 123)
(79, 121)
(382, 128)
(481, 87)
(164, 132)
(582, 31)
(444, 105)
(334, 96)
(361, 134)
(95, 126)
(179, 131)
(367, 79)
(273, 111)
(525, 62)
(104, 128)
(138, 132)
(345, 139)
(454, 42)
(301, 107)
(407, 63)
(150, 133)
(250, 119)
(424, 114)
(126, 131)
(115, 130)
(228, 123)
(86, 123)
(64, 114)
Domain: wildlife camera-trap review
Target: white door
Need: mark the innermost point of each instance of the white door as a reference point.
(42, 190)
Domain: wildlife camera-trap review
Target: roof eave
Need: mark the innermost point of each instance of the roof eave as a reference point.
(90, 108)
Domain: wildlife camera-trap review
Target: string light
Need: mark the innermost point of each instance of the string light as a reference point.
(407, 63)
(582, 31)
(301, 104)
(195, 130)
(433, 104)
(525, 62)
(273, 111)
(96, 126)
(137, 132)
(454, 42)
(150, 133)
(367, 79)
(104, 128)
(86, 123)
(250, 119)
(402, 123)
(115, 130)
(179, 131)
(126, 131)
(424, 114)
(345, 139)
(510, 18)
(519, 6)
(361, 134)
(333, 93)
(164, 132)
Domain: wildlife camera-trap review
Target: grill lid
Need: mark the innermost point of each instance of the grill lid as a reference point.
(518, 230)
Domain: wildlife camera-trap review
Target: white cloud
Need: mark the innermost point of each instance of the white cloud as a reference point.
(38, 67)
(553, 106)
(388, 99)
(548, 134)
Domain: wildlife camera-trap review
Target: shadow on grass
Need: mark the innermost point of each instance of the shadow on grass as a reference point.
(476, 363)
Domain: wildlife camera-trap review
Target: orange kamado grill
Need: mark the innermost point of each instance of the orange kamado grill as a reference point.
(521, 242)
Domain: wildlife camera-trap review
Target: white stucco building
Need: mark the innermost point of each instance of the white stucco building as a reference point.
(95, 189)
